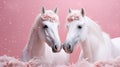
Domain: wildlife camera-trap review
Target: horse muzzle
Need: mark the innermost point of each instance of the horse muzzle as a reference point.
(68, 48)
(56, 48)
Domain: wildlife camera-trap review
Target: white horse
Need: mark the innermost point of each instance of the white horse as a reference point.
(44, 42)
(95, 44)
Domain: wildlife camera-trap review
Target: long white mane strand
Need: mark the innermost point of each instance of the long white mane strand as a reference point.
(95, 29)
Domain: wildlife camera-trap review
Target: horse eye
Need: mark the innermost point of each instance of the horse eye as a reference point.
(79, 27)
(45, 26)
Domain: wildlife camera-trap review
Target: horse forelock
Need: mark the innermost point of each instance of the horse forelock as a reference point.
(50, 15)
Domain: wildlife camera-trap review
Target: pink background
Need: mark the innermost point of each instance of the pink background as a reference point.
(17, 17)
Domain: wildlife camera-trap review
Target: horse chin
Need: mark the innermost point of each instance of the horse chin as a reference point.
(69, 52)
(55, 51)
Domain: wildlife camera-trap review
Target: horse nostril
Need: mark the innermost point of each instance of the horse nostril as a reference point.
(55, 47)
(69, 47)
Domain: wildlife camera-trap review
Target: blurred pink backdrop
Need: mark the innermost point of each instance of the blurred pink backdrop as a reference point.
(17, 17)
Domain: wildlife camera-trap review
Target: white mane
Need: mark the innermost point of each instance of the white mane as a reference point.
(94, 29)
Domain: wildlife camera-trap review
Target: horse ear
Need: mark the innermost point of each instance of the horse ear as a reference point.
(43, 10)
(70, 10)
(82, 12)
(55, 10)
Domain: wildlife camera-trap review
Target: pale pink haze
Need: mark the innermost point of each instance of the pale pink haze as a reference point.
(17, 17)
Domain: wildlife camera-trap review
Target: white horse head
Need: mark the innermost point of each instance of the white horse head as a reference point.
(77, 29)
(47, 26)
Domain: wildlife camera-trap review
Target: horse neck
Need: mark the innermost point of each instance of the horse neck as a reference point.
(90, 48)
(86, 49)
(35, 43)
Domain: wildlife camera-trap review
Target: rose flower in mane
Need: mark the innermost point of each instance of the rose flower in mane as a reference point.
(73, 17)
(49, 18)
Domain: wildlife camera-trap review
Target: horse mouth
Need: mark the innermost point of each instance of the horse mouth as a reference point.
(69, 51)
(55, 51)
